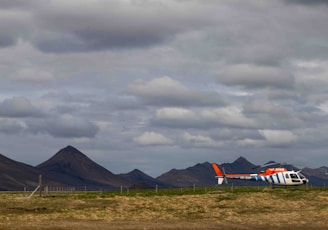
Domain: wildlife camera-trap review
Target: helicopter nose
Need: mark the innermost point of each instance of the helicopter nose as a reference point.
(305, 181)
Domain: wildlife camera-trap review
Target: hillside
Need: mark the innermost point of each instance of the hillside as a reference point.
(199, 175)
(241, 165)
(70, 167)
(19, 176)
(137, 178)
(73, 167)
(318, 177)
(203, 174)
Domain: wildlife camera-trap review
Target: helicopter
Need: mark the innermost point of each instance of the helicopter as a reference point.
(273, 176)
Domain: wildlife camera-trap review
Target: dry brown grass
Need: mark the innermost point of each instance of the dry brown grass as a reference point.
(281, 209)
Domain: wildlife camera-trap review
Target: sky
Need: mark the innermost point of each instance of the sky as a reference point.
(162, 84)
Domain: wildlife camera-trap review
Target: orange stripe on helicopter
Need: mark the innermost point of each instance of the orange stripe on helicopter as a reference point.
(267, 172)
(217, 170)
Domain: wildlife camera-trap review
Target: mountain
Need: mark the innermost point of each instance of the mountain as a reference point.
(241, 165)
(74, 168)
(19, 176)
(70, 167)
(137, 178)
(199, 175)
(317, 177)
(319, 172)
(203, 174)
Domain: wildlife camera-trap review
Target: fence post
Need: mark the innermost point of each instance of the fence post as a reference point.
(40, 185)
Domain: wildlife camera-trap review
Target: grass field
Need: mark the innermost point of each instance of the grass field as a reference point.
(203, 208)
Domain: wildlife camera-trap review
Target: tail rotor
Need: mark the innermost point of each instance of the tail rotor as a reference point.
(221, 176)
(225, 178)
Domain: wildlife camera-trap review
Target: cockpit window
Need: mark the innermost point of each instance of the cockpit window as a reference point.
(301, 175)
(287, 176)
(293, 176)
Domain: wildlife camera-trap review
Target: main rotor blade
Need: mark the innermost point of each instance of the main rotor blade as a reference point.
(267, 164)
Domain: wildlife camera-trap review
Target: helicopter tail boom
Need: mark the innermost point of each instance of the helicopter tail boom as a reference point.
(218, 172)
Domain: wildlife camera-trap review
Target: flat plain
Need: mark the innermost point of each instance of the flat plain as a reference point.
(203, 208)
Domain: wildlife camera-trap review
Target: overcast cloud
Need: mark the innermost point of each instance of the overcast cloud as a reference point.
(156, 85)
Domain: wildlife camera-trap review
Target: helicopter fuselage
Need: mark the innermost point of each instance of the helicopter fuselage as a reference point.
(275, 176)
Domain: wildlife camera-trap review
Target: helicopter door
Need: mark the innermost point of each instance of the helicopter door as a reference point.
(288, 180)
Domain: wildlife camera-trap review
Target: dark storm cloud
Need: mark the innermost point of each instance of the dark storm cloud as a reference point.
(273, 116)
(19, 114)
(72, 128)
(103, 25)
(7, 41)
(19, 107)
(9, 126)
(308, 2)
(120, 103)
(81, 41)
(64, 126)
(20, 4)
(12, 25)
(245, 77)
(59, 26)
(252, 76)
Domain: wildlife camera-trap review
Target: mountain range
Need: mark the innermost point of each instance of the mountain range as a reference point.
(71, 168)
